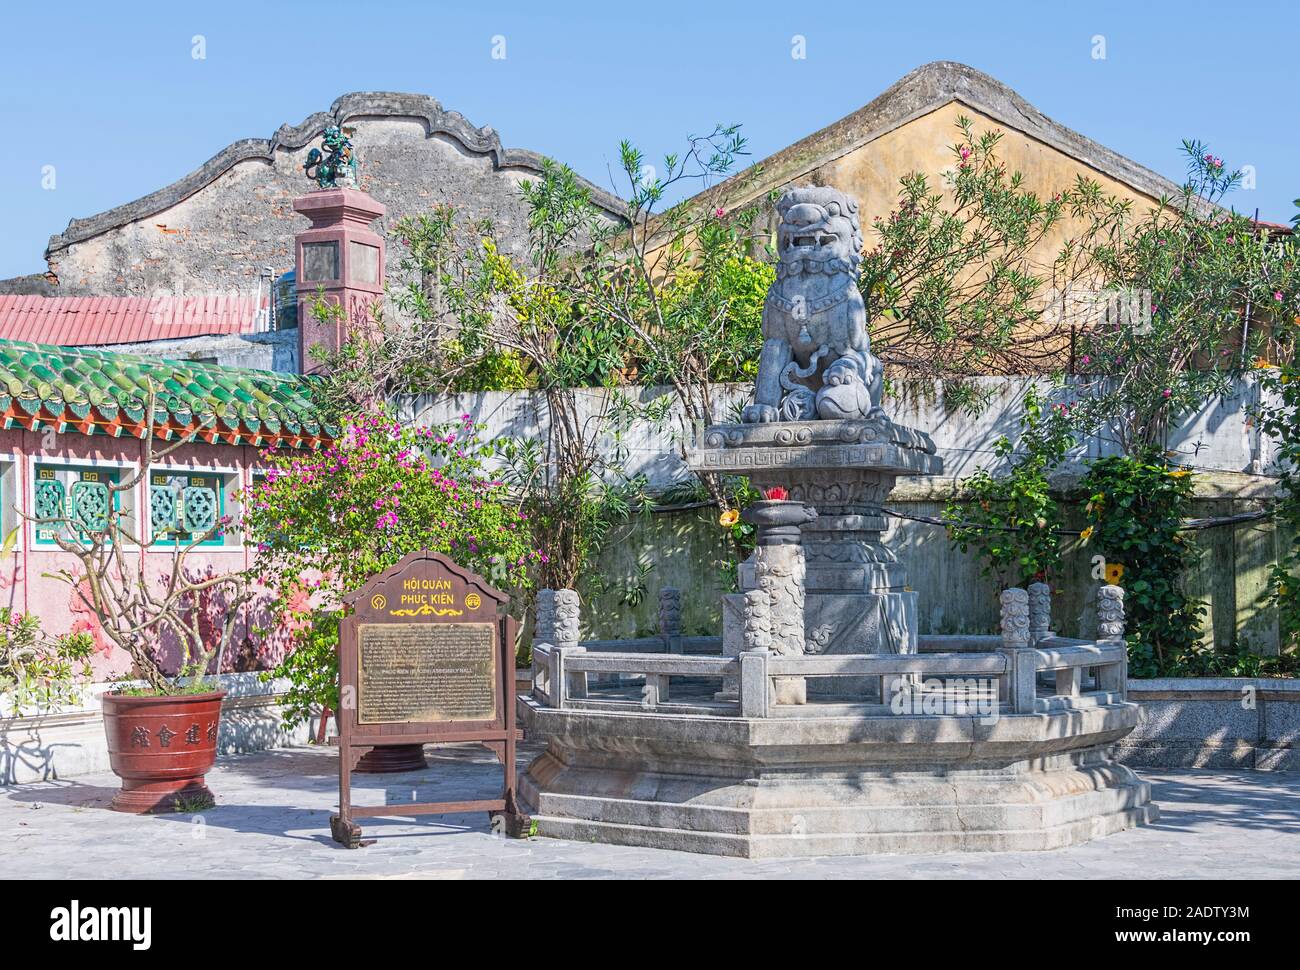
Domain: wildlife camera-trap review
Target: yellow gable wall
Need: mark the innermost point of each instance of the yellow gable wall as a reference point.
(871, 172)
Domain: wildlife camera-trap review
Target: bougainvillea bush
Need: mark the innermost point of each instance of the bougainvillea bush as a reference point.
(325, 523)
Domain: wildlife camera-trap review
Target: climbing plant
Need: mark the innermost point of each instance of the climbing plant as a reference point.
(1135, 509)
(1007, 513)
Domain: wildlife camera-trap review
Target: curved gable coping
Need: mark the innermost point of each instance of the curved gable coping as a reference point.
(481, 141)
(927, 89)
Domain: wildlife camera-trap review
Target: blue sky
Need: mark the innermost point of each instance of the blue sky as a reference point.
(111, 97)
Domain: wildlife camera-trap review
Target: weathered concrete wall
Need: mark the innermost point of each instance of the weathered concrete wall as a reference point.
(1232, 460)
(221, 224)
(912, 127)
(1219, 439)
(954, 595)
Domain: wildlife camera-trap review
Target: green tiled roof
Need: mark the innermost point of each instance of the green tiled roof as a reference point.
(101, 392)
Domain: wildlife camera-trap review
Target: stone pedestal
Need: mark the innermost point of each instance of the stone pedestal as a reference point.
(341, 255)
(797, 785)
(856, 594)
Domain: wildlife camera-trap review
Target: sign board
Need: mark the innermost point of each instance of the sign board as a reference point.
(425, 655)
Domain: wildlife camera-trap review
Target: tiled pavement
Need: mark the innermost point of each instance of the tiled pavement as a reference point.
(272, 819)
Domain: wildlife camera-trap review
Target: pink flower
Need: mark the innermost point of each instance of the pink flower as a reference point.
(1277, 295)
(1167, 392)
(719, 212)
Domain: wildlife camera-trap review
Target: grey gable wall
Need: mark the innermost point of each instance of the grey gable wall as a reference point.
(213, 230)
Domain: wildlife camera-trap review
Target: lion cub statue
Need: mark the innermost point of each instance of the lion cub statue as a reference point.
(816, 360)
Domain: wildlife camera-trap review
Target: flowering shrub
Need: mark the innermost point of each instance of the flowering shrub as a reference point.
(326, 523)
(39, 669)
(1209, 292)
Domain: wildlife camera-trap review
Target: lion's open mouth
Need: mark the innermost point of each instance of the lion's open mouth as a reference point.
(803, 242)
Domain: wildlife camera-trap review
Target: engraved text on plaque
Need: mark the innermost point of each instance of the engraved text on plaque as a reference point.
(419, 672)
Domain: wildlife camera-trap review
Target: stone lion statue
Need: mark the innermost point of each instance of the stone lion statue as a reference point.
(816, 360)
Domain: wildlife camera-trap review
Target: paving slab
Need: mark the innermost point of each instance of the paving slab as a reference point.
(271, 821)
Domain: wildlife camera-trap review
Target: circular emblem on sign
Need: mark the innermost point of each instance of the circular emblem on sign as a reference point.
(379, 601)
(472, 601)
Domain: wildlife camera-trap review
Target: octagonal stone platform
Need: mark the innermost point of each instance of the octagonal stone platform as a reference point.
(826, 785)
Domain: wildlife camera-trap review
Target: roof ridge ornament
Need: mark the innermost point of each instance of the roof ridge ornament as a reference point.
(336, 167)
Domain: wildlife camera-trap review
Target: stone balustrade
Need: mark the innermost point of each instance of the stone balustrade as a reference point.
(1025, 670)
(1085, 675)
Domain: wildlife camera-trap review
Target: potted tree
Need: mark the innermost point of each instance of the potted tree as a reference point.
(162, 733)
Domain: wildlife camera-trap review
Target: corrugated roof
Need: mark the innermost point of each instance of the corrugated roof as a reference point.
(102, 392)
(91, 320)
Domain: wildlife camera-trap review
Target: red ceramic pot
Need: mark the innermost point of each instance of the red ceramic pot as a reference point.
(161, 747)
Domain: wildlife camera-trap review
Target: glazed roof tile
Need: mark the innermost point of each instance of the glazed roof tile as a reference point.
(103, 392)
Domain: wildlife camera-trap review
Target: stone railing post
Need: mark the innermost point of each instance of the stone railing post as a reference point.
(1110, 613)
(755, 685)
(1110, 626)
(568, 615)
(1040, 612)
(670, 618)
(544, 623)
(1022, 662)
(543, 629)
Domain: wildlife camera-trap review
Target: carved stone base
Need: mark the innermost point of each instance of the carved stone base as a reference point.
(858, 623)
(845, 785)
(857, 600)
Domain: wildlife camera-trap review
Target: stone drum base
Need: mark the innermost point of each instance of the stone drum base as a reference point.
(811, 786)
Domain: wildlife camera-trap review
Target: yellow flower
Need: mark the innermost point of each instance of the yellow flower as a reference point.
(1114, 572)
(1261, 363)
(729, 518)
(1180, 473)
(1086, 534)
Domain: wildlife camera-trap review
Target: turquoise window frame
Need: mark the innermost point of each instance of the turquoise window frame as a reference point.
(85, 473)
(188, 479)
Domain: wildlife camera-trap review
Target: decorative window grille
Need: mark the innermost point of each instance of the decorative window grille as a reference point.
(162, 508)
(81, 496)
(200, 508)
(186, 506)
(90, 502)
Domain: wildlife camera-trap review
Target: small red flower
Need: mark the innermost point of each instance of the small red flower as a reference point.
(775, 493)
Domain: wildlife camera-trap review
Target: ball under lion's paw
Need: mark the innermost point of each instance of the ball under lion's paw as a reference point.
(844, 401)
(759, 414)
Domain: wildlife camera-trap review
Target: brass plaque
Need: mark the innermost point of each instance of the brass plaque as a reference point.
(422, 672)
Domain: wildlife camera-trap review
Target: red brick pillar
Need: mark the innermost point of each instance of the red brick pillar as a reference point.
(343, 256)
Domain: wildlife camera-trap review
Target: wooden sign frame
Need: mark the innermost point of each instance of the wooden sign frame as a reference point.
(425, 588)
